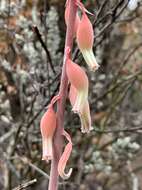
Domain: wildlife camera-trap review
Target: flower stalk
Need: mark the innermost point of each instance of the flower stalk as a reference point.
(57, 139)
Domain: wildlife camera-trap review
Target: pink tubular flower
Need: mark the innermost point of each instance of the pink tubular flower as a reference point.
(85, 114)
(85, 38)
(47, 127)
(77, 19)
(64, 158)
(78, 78)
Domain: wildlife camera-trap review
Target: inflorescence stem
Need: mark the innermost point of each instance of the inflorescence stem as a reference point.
(57, 140)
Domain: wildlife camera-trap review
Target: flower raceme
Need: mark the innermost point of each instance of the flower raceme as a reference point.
(85, 114)
(47, 127)
(85, 39)
(78, 78)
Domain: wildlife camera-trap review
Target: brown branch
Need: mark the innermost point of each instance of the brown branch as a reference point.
(26, 184)
(114, 16)
(100, 11)
(35, 29)
(133, 129)
(117, 84)
(26, 161)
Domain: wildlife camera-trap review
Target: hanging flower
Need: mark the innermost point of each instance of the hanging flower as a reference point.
(47, 127)
(85, 38)
(85, 117)
(78, 78)
(64, 158)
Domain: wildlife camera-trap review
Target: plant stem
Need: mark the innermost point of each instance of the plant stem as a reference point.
(58, 141)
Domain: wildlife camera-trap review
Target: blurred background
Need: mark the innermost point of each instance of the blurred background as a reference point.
(32, 36)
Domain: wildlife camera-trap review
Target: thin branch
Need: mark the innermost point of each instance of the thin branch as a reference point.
(114, 16)
(100, 11)
(27, 161)
(7, 135)
(26, 184)
(133, 129)
(44, 47)
(117, 84)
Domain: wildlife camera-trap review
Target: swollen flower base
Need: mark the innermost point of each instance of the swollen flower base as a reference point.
(78, 78)
(47, 127)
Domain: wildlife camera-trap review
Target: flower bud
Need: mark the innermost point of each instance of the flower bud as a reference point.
(85, 38)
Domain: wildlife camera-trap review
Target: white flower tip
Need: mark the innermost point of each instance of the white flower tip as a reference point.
(76, 111)
(95, 67)
(66, 175)
(86, 130)
(90, 59)
(47, 158)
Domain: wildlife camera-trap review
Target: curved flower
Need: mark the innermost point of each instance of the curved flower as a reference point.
(77, 19)
(85, 114)
(47, 127)
(64, 158)
(85, 38)
(78, 78)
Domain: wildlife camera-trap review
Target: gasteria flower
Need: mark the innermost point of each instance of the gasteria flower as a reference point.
(78, 78)
(47, 127)
(64, 158)
(85, 38)
(85, 114)
(77, 19)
